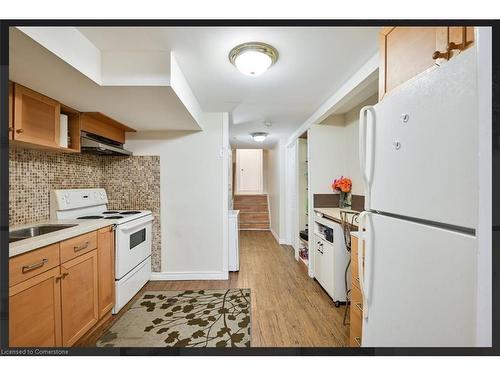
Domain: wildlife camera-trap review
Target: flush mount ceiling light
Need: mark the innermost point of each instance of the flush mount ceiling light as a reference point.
(253, 58)
(259, 137)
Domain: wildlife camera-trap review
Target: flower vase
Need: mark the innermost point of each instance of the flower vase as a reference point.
(344, 201)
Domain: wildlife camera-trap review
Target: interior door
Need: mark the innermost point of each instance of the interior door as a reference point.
(419, 285)
(249, 171)
(424, 147)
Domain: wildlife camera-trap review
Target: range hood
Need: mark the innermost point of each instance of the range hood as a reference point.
(96, 144)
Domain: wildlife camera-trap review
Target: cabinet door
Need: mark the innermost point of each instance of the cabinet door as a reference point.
(79, 293)
(11, 110)
(462, 36)
(406, 52)
(35, 311)
(106, 264)
(36, 118)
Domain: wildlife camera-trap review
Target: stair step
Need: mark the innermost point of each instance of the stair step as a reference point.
(251, 198)
(254, 226)
(246, 217)
(242, 209)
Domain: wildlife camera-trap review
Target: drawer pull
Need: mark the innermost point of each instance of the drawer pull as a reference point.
(81, 247)
(358, 340)
(35, 266)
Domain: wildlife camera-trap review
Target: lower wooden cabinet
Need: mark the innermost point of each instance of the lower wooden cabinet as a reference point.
(356, 308)
(79, 296)
(35, 311)
(106, 264)
(60, 303)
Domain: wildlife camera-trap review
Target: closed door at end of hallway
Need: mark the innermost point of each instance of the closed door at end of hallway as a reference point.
(249, 167)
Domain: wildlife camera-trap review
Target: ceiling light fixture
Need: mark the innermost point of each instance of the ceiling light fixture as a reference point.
(253, 58)
(259, 136)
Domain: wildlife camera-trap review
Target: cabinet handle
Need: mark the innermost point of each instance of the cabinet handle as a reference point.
(62, 276)
(441, 55)
(34, 266)
(81, 247)
(358, 340)
(19, 131)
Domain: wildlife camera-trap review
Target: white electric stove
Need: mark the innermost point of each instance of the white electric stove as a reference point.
(132, 235)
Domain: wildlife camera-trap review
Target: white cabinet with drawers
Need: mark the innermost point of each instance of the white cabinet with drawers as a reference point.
(330, 259)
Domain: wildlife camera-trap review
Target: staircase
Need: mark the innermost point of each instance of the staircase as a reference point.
(254, 213)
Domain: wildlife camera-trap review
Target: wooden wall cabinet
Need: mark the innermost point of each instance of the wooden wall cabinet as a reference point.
(405, 52)
(11, 110)
(104, 126)
(54, 299)
(36, 118)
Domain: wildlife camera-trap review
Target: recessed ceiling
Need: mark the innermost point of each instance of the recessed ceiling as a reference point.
(313, 63)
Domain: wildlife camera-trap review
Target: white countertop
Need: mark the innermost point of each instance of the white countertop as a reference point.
(28, 244)
(334, 213)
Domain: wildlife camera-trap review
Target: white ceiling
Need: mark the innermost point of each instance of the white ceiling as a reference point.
(140, 107)
(313, 63)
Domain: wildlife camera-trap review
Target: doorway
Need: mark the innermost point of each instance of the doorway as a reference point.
(249, 171)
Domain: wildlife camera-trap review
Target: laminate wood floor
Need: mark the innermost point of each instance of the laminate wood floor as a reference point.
(289, 309)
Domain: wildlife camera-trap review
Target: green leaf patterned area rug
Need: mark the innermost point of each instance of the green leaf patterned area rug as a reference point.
(190, 318)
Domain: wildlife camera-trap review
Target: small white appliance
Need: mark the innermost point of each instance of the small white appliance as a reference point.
(234, 230)
(330, 257)
(132, 235)
(419, 158)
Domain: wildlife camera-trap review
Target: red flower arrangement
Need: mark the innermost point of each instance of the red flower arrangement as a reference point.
(342, 184)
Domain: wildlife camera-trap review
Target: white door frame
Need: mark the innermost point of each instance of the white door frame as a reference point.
(292, 197)
(261, 174)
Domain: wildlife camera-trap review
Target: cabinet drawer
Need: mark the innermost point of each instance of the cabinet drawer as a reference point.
(25, 266)
(77, 246)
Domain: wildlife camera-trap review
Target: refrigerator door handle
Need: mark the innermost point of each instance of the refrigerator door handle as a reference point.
(363, 132)
(361, 255)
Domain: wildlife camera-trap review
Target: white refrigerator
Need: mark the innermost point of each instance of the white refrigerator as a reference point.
(418, 154)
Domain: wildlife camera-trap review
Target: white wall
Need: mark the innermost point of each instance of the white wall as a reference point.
(265, 158)
(275, 173)
(351, 137)
(334, 151)
(193, 197)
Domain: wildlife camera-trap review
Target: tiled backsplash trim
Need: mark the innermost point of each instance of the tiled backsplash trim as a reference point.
(130, 182)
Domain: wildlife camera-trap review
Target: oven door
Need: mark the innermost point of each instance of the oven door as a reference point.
(133, 244)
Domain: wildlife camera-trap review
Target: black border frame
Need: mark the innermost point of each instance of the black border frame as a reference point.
(4, 183)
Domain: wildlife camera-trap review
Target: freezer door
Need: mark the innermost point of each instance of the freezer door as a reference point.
(419, 284)
(421, 160)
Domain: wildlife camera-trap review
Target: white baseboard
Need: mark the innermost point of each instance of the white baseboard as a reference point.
(164, 276)
(276, 237)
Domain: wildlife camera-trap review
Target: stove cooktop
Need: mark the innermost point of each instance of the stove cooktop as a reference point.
(121, 216)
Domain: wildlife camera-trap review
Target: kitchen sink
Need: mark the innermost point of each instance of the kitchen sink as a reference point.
(38, 230)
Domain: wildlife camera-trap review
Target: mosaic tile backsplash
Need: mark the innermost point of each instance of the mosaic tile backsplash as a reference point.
(130, 182)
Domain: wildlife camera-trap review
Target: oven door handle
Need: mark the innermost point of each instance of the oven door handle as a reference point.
(135, 223)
